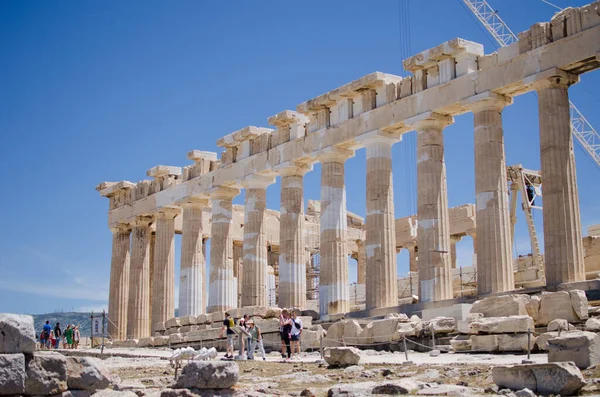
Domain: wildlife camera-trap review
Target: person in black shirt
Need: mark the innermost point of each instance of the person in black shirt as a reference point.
(57, 335)
(228, 325)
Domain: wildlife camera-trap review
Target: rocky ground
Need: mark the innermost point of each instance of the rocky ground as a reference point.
(146, 372)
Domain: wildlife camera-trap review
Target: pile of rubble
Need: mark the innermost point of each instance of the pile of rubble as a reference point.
(23, 371)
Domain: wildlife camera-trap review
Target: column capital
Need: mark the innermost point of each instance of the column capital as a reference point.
(168, 213)
(429, 120)
(223, 193)
(378, 136)
(455, 238)
(143, 221)
(552, 78)
(487, 101)
(291, 168)
(334, 154)
(195, 202)
(257, 181)
(121, 227)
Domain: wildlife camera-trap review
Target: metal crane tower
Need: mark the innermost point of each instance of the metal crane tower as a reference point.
(581, 128)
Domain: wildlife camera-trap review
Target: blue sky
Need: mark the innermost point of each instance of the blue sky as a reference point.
(93, 91)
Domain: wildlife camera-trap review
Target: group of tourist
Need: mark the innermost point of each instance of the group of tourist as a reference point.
(250, 337)
(50, 338)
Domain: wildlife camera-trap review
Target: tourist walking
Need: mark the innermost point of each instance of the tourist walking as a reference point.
(228, 325)
(296, 332)
(69, 337)
(76, 337)
(46, 334)
(57, 335)
(256, 338)
(52, 344)
(285, 322)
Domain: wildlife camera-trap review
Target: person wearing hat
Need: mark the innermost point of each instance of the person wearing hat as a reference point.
(256, 336)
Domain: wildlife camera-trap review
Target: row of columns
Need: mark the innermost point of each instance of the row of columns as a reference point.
(562, 231)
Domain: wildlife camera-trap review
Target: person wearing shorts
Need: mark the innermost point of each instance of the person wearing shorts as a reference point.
(227, 328)
(285, 322)
(296, 332)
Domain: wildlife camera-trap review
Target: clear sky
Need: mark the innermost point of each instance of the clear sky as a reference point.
(102, 91)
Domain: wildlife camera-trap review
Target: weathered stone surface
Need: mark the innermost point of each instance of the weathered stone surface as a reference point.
(413, 328)
(542, 340)
(160, 341)
(205, 334)
(252, 311)
(555, 305)
(441, 325)
(16, 333)
(401, 317)
(176, 338)
(582, 347)
(160, 326)
(203, 319)
(525, 393)
(500, 325)
(173, 322)
(114, 393)
(273, 312)
(593, 324)
(187, 320)
(579, 302)
(145, 342)
(553, 378)
(46, 374)
(345, 330)
(502, 306)
(561, 324)
(130, 343)
(342, 356)
(12, 374)
(86, 373)
(461, 343)
(533, 307)
(380, 331)
(208, 375)
(484, 343)
(311, 338)
(515, 342)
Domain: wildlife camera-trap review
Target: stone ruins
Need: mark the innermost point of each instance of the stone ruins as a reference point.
(254, 250)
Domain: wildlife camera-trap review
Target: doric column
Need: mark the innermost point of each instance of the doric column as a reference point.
(563, 247)
(292, 249)
(163, 283)
(254, 290)
(119, 282)
(222, 295)
(238, 269)
(491, 191)
(381, 284)
(435, 275)
(333, 278)
(138, 311)
(413, 258)
(453, 241)
(361, 262)
(151, 277)
(192, 274)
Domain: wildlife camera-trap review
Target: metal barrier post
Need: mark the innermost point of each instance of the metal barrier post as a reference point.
(407, 361)
(528, 361)
(432, 337)
(321, 346)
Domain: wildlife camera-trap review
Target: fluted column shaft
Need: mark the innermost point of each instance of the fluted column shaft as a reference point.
(192, 274)
(494, 253)
(238, 269)
(381, 284)
(413, 258)
(163, 283)
(361, 262)
(435, 275)
(563, 246)
(138, 311)
(222, 295)
(333, 277)
(119, 282)
(254, 289)
(292, 249)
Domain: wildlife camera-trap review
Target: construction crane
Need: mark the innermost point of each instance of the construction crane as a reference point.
(581, 128)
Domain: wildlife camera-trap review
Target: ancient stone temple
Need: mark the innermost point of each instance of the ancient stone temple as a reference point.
(251, 243)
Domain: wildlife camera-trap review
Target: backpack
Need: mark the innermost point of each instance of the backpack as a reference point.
(231, 323)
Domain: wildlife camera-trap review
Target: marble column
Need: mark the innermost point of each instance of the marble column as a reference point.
(192, 274)
(292, 247)
(238, 269)
(380, 225)
(119, 282)
(413, 258)
(163, 283)
(333, 278)
(254, 290)
(563, 246)
(495, 273)
(361, 262)
(222, 294)
(453, 241)
(435, 274)
(151, 277)
(138, 310)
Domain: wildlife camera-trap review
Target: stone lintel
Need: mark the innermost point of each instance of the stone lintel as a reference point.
(551, 77)
(163, 170)
(429, 118)
(335, 154)
(198, 155)
(594, 230)
(223, 192)
(485, 100)
(379, 135)
(352, 89)
(109, 189)
(286, 118)
(449, 49)
(257, 181)
(245, 134)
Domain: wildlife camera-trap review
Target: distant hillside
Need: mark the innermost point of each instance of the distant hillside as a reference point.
(81, 319)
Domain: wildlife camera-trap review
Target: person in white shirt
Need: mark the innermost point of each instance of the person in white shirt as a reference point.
(296, 332)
